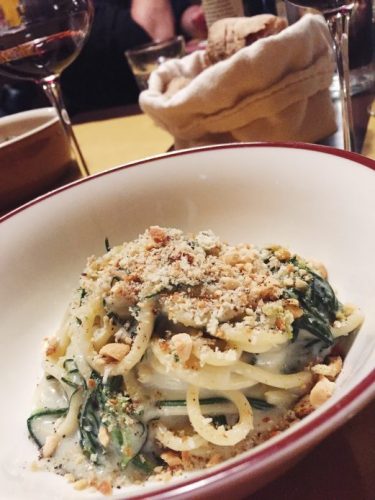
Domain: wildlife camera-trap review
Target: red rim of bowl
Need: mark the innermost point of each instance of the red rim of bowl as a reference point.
(337, 414)
(357, 158)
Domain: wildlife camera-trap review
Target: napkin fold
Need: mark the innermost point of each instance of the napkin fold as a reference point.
(275, 89)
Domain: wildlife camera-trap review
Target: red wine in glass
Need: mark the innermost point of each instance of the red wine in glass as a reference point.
(40, 40)
(46, 54)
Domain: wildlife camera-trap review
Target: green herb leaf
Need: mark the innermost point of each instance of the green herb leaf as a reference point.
(259, 404)
(144, 463)
(83, 294)
(315, 325)
(47, 412)
(319, 304)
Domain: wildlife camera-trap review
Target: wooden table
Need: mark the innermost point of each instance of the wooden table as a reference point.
(343, 466)
(113, 137)
(116, 136)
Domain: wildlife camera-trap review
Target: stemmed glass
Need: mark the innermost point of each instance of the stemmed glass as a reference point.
(38, 39)
(337, 14)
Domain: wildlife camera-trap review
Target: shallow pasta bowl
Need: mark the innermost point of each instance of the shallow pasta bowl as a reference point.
(317, 201)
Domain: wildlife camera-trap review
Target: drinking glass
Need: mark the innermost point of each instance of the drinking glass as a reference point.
(143, 60)
(337, 14)
(38, 40)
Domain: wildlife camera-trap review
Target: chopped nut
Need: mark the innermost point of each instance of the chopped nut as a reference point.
(115, 351)
(185, 456)
(171, 458)
(280, 323)
(331, 370)
(292, 305)
(288, 281)
(214, 460)
(321, 392)
(52, 345)
(158, 235)
(91, 384)
(320, 268)
(300, 284)
(104, 487)
(182, 344)
(230, 283)
(69, 477)
(103, 436)
(81, 484)
(282, 254)
(232, 258)
(303, 407)
(268, 292)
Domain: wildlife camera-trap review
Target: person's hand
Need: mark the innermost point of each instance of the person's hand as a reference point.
(155, 17)
(193, 22)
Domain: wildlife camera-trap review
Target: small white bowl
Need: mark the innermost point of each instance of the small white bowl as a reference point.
(34, 155)
(320, 202)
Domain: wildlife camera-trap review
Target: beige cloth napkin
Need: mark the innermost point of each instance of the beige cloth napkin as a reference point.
(275, 89)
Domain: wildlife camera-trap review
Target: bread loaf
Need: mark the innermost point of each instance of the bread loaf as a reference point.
(227, 36)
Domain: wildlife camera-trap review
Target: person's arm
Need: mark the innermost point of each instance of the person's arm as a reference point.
(162, 18)
(193, 22)
(118, 26)
(155, 17)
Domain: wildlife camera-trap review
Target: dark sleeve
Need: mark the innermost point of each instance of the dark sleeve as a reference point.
(113, 27)
(100, 76)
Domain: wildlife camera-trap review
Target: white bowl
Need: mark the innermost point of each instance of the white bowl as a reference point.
(318, 201)
(34, 155)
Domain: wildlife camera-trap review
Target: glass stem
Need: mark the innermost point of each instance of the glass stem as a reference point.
(51, 87)
(339, 27)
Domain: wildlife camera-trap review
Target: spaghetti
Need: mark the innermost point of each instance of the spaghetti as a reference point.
(180, 351)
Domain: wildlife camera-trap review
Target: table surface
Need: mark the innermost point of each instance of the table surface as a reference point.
(116, 136)
(342, 467)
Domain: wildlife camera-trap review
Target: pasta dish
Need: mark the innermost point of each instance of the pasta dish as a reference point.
(180, 351)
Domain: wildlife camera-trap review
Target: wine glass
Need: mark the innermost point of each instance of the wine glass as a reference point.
(337, 14)
(38, 39)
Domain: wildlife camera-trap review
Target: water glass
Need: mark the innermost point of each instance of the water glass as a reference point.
(146, 58)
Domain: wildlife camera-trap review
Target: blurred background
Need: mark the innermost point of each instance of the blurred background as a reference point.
(100, 77)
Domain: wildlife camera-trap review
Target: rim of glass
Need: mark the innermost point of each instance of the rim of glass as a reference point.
(153, 46)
